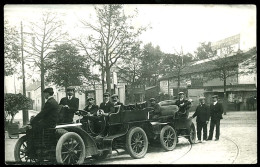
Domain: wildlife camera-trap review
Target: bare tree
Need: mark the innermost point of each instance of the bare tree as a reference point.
(114, 38)
(46, 33)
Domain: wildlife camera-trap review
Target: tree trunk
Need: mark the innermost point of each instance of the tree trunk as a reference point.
(178, 84)
(108, 78)
(42, 82)
(225, 96)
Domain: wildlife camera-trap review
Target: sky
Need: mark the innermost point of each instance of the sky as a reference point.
(173, 26)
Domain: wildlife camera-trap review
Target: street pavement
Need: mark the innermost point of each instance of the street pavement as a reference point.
(237, 145)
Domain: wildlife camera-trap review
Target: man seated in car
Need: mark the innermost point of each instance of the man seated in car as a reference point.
(183, 105)
(91, 108)
(116, 101)
(107, 106)
(156, 113)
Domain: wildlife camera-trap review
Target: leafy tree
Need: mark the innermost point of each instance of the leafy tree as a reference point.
(67, 67)
(151, 64)
(130, 68)
(112, 38)
(15, 102)
(204, 51)
(11, 49)
(46, 32)
(175, 63)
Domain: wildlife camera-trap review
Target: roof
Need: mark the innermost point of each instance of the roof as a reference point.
(210, 65)
(33, 86)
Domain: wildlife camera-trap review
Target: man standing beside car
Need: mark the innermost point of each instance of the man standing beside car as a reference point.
(70, 106)
(202, 113)
(216, 111)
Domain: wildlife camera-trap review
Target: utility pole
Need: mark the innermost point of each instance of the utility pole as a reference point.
(25, 112)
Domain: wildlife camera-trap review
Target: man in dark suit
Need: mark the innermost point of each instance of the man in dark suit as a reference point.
(70, 106)
(91, 108)
(202, 113)
(107, 106)
(156, 113)
(216, 111)
(48, 117)
(183, 105)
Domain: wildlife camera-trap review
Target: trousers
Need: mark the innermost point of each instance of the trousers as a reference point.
(202, 126)
(214, 123)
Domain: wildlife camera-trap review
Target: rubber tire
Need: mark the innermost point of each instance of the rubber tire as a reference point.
(167, 127)
(192, 139)
(60, 132)
(128, 142)
(101, 156)
(65, 137)
(17, 148)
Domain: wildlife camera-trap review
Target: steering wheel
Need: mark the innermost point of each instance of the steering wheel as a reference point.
(81, 112)
(100, 112)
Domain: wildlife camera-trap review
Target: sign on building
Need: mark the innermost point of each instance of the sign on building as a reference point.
(226, 42)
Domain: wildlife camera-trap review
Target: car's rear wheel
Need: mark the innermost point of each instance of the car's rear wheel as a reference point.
(136, 142)
(21, 152)
(168, 138)
(192, 134)
(70, 149)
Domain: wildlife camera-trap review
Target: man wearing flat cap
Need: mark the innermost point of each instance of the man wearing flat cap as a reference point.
(48, 117)
(183, 105)
(156, 113)
(91, 108)
(216, 111)
(115, 100)
(202, 113)
(70, 106)
(107, 106)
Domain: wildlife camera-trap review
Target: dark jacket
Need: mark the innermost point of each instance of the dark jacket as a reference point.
(107, 107)
(216, 111)
(202, 113)
(185, 107)
(92, 110)
(49, 113)
(73, 104)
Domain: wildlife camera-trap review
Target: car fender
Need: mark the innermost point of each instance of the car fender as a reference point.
(90, 144)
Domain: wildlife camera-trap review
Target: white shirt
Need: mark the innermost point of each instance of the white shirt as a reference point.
(69, 97)
(214, 103)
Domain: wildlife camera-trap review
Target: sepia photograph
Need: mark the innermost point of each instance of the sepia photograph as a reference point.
(101, 84)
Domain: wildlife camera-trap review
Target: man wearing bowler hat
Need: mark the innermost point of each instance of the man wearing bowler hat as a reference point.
(183, 105)
(107, 106)
(70, 106)
(48, 117)
(216, 111)
(202, 113)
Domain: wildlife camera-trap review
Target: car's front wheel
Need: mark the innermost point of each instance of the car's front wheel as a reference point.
(70, 149)
(21, 151)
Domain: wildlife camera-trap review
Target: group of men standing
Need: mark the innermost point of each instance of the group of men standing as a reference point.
(204, 113)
